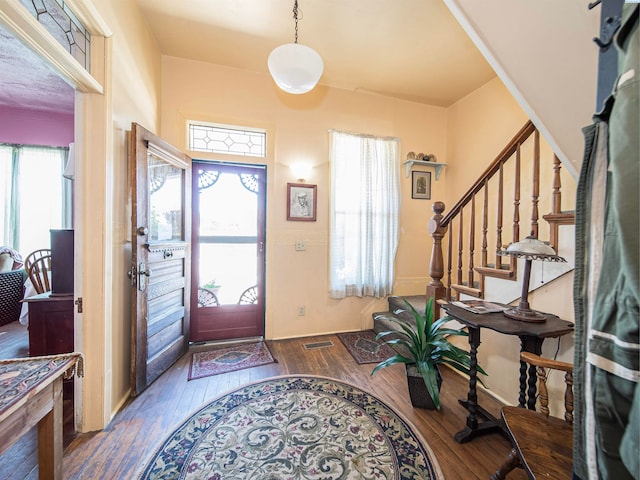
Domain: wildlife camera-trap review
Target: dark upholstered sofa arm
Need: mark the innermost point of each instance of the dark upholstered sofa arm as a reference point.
(11, 292)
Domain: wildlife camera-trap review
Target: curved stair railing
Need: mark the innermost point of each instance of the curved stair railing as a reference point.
(478, 219)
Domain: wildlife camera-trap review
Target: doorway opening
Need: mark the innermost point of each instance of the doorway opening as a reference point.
(228, 251)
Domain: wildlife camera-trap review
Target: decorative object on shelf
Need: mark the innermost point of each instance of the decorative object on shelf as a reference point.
(421, 185)
(422, 348)
(530, 249)
(301, 202)
(294, 67)
(427, 157)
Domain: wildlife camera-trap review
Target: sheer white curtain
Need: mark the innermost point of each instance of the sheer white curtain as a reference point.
(365, 203)
(36, 197)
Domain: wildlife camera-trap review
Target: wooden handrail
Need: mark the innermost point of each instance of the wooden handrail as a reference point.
(461, 248)
(524, 133)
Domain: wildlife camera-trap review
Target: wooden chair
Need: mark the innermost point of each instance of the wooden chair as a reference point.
(542, 445)
(38, 268)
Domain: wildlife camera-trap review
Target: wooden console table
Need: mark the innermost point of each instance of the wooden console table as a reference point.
(30, 394)
(531, 336)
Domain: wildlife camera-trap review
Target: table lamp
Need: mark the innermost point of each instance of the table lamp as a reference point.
(530, 249)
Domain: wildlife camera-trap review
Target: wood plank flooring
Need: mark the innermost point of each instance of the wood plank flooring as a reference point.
(118, 452)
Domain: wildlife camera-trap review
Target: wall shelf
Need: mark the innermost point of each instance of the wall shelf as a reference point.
(410, 163)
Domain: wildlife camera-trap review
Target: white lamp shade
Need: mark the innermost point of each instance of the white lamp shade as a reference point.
(295, 68)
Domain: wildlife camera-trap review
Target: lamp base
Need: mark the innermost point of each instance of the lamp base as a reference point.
(525, 315)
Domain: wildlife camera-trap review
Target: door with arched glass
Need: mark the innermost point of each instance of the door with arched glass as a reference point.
(228, 251)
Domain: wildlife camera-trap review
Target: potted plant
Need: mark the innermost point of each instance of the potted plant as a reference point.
(422, 348)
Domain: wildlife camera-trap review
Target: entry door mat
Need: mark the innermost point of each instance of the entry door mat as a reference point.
(229, 359)
(364, 348)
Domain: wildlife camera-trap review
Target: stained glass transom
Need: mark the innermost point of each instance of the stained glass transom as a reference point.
(64, 26)
(225, 139)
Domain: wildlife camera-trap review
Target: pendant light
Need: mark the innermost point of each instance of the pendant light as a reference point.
(295, 68)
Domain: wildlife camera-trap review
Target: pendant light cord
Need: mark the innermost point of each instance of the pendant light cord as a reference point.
(295, 17)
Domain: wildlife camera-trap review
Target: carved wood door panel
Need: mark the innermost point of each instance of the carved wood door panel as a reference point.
(160, 183)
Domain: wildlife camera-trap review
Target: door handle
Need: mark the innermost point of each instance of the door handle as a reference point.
(143, 272)
(133, 274)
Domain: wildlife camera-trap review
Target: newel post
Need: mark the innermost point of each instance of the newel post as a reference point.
(436, 270)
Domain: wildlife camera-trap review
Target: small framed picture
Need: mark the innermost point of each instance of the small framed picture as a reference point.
(301, 202)
(421, 185)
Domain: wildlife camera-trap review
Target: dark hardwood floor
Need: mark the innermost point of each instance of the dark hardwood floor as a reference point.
(118, 451)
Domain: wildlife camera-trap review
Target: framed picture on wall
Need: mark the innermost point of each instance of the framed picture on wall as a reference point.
(421, 185)
(301, 202)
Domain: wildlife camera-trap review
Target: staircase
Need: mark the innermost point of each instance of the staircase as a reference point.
(486, 219)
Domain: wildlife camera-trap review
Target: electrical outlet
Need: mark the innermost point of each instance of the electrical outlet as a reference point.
(300, 245)
(301, 311)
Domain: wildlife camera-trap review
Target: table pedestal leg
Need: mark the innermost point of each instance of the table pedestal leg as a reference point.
(528, 376)
(473, 427)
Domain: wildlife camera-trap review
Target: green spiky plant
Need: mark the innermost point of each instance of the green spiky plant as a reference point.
(428, 346)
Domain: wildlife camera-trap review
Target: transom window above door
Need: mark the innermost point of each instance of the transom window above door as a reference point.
(227, 139)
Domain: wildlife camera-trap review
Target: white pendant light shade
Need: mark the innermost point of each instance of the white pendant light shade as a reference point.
(295, 68)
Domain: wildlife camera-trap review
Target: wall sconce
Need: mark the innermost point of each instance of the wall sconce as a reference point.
(530, 249)
(301, 171)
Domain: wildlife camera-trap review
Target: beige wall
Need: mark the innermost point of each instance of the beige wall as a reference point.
(298, 131)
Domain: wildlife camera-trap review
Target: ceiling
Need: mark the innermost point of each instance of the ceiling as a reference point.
(408, 49)
(27, 82)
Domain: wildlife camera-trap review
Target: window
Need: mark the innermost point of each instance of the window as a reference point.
(365, 200)
(229, 139)
(34, 197)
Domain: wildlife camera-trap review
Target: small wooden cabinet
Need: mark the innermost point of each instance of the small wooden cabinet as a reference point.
(50, 324)
(51, 331)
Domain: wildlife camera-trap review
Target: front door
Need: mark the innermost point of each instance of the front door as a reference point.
(227, 299)
(160, 180)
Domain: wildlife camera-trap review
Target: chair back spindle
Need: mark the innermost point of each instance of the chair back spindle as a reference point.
(38, 268)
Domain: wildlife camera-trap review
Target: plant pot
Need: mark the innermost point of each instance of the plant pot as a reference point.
(420, 397)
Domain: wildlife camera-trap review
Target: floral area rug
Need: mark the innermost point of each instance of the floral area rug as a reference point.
(294, 427)
(364, 348)
(229, 359)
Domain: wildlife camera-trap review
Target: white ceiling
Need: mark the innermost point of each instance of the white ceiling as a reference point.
(408, 49)
(27, 82)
